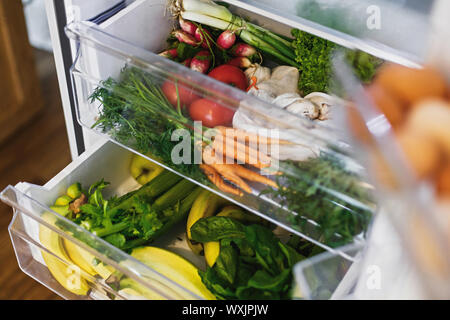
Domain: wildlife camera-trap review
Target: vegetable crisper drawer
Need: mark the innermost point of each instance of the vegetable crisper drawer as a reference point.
(118, 82)
(43, 239)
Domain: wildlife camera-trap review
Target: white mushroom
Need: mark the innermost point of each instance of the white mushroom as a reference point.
(305, 108)
(293, 103)
(324, 102)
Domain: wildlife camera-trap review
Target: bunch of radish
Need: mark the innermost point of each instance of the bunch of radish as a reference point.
(204, 49)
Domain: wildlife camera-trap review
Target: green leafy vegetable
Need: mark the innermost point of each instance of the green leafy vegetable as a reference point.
(364, 65)
(226, 264)
(314, 56)
(252, 263)
(134, 111)
(217, 228)
(116, 239)
(131, 220)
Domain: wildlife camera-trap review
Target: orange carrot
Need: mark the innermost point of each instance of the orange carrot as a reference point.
(251, 175)
(215, 178)
(224, 169)
(249, 136)
(245, 154)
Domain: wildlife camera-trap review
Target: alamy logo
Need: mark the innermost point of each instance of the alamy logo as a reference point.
(373, 277)
(226, 146)
(74, 277)
(374, 20)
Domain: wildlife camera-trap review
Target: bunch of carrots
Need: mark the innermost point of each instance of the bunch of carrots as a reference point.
(229, 150)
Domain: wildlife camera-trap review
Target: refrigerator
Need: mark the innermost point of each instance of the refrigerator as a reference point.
(94, 41)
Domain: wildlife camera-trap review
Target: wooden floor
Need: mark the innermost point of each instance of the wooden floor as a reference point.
(34, 154)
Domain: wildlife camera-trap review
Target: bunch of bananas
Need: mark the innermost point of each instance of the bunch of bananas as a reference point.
(69, 264)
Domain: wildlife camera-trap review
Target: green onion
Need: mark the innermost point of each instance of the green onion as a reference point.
(208, 13)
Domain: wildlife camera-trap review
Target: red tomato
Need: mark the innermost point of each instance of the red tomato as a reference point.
(185, 93)
(230, 75)
(211, 113)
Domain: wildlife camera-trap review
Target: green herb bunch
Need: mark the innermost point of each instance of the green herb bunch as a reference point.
(135, 112)
(136, 218)
(313, 191)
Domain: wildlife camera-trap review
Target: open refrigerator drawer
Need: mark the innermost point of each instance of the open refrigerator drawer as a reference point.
(38, 234)
(337, 208)
(46, 244)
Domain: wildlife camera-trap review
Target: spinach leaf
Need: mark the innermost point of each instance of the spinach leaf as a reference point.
(267, 251)
(292, 256)
(216, 285)
(264, 281)
(249, 293)
(217, 228)
(252, 263)
(245, 272)
(226, 263)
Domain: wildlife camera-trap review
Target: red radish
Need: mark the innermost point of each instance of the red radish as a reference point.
(242, 50)
(170, 54)
(231, 75)
(226, 39)
(200, 35)
(201, 61)
(187, 62)
(240, 62)
(187, 26)
(185, 37)
(185, 93)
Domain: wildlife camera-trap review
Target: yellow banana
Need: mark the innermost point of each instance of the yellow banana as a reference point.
(86, 261)
(174, 267)
(68, 275)
(205, 205)
(240, 215)
(212, 251)
(80, 256)
(103, 270)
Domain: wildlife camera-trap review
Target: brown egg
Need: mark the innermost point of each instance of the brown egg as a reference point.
(432, 119)
(411, 85)
(357, 126)
(443, 181)
(383, 173)
(423, 154)
(387, 103)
